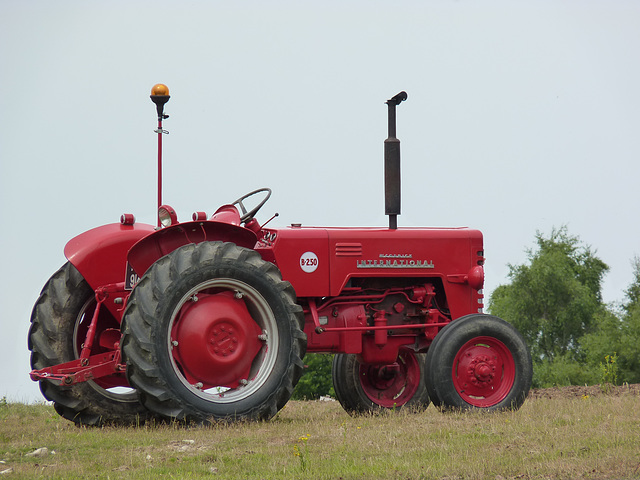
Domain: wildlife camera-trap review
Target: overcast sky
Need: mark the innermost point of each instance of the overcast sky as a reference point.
(521, 116)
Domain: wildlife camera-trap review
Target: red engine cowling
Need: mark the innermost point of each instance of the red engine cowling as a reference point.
(329, 262)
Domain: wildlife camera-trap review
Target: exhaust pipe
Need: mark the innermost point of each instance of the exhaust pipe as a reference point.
(392, 164)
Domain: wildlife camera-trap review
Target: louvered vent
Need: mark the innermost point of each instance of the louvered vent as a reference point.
(348, 249)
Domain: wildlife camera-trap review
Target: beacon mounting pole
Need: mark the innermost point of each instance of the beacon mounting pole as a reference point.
(160, 96)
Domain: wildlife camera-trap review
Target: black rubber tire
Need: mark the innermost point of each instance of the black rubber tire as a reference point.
(55, 316)
(158, 298)
(433, 396)
(348, 377)
(479, 341)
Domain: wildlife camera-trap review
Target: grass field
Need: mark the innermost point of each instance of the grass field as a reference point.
(577, 436)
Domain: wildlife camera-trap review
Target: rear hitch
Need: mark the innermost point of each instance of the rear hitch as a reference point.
(81, 370)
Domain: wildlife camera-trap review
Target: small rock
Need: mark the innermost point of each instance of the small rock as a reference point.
(182, 445)
(40, 452)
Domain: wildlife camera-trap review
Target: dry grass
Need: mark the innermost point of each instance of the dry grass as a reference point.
(549, 438)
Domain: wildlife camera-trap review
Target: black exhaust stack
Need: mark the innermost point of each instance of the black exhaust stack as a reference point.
(392, 165)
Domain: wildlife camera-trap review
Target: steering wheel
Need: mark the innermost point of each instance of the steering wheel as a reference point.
(246, 216)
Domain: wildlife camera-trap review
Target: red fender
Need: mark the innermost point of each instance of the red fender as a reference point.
(100, 254)
(164, 241)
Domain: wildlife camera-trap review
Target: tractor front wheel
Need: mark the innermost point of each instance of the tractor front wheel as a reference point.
(479, 362)
(212, 332)
(362, 388)
(59, 323)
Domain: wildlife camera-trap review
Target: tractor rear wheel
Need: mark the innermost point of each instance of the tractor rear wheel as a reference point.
(212, 332)
(479, 362)
(59, 322)
(362, 388)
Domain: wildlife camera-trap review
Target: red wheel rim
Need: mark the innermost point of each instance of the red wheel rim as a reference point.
(391, 385)
(483, 371)
(223, 340)
(218, 340)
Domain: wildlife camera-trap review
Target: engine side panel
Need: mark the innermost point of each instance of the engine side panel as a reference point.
(302, 255)
(323, 262)
(448, 254)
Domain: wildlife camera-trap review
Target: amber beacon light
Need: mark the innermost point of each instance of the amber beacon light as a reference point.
(160, 96)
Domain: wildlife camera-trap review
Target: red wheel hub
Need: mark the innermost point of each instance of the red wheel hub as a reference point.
(215, 340)
(391, 385)
(483, 371)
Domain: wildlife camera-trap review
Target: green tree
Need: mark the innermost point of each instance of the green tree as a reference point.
(555, 298)
(316, 381)
(564, 370)
(633, 292)
(618, 333)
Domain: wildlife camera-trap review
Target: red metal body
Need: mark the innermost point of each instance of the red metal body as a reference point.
(344, 254)
(366, 291)
(336, 257)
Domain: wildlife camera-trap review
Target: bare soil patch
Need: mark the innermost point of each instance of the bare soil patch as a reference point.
(584, 391)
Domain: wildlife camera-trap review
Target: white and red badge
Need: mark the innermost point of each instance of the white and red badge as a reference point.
(308, 262)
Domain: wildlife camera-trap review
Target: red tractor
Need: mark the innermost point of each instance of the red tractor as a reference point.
(210, 319)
